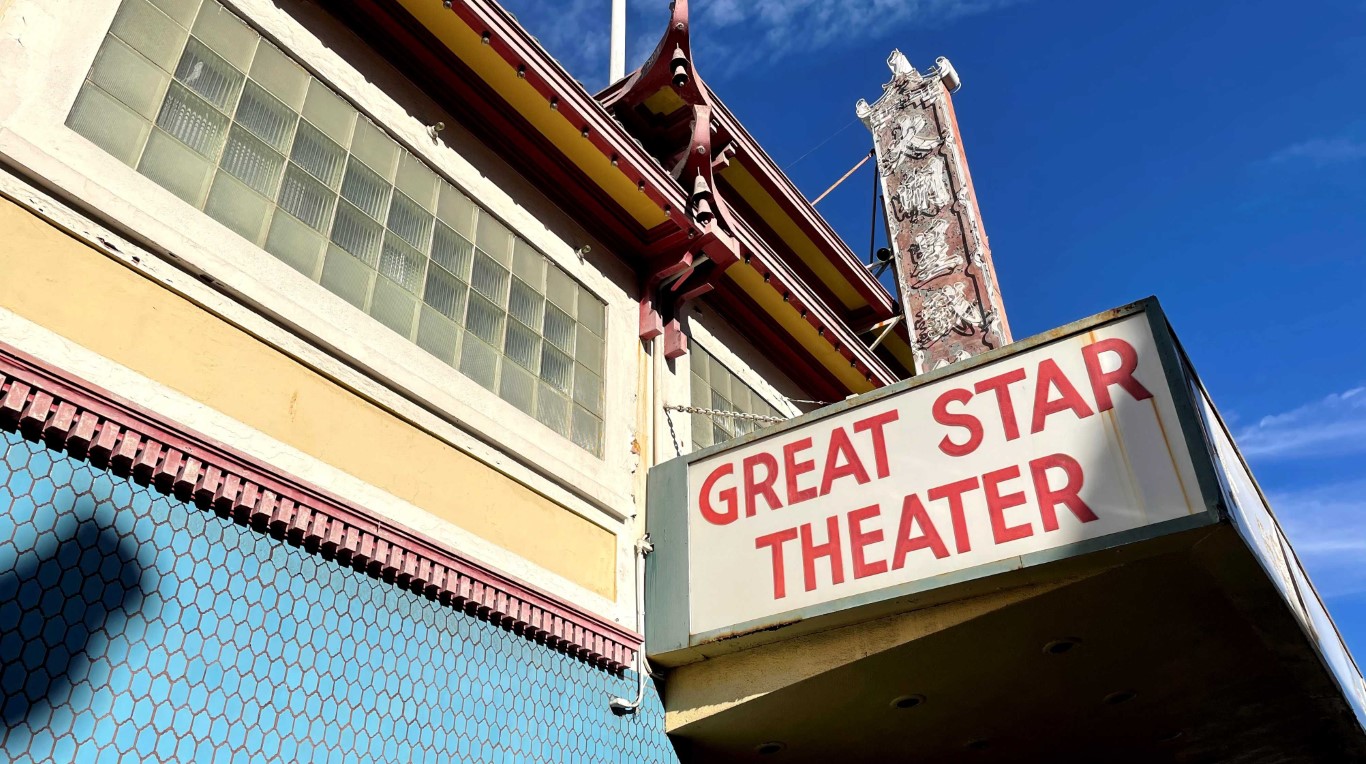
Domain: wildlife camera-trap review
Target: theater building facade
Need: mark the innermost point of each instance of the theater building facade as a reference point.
(354, 360)
(336, 343)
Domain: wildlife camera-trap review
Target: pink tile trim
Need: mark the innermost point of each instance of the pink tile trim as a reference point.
(87, 422)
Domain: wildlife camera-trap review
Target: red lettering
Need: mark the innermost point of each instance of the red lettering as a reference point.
(755, 487)
(912, 514)
(1000, 384)
(726, 495)
(775, 541)
(841, 448)
(793, 468)
(1069, 495)
(874, 425)
(966, 421)
(859, 538)
(954, 493)
(831, 548)
(998, 504)
(1102, 381)
(1050, 376)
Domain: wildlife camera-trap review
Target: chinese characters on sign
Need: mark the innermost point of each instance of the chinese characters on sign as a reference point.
(944, 274)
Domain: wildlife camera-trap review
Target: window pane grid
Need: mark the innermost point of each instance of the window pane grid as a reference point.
(713, 386)
(200, 103)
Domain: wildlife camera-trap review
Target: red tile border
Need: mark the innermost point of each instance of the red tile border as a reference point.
(68, 414)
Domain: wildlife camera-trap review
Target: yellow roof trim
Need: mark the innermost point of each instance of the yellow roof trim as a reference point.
(798, 242)
(771, 303)
(468, 46)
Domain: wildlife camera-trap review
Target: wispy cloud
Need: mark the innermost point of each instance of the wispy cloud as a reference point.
(1332, 425)
(729, 35)
(574, 31)
(1326, 525)
(1321, 151)
(780, 28)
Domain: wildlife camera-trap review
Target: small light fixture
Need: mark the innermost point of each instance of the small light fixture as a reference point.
(770, 748)
(907, 701)
(486, 37)
(1061, 646)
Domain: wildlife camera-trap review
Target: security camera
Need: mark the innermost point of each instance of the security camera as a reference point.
(623, 707)
(884, 255)
(583, 251)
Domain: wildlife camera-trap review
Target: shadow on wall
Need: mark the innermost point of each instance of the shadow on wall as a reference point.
(62, 591)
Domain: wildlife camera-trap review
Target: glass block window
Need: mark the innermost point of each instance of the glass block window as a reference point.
(196, 100)
(715, 387)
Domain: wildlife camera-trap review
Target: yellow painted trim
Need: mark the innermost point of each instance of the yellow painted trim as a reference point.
(900, 350)
(466, 44)
(771, 303)
(798, 243)
(665, 101)
(69, 288)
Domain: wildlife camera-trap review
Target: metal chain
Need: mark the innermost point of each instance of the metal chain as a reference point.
(731, 414)
(673, 434)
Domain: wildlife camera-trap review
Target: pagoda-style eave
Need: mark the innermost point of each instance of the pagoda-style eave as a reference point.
(431, 54)
(730, 132)
(796, 205)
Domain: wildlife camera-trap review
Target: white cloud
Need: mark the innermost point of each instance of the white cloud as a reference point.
(729, 35)
(1326, 525)
(788, 27)
(574, 31)
(1334, 425)
(1322, 151)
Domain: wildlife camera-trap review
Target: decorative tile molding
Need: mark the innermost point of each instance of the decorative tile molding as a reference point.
(89, 423)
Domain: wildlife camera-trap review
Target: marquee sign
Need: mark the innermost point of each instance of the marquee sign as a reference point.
(1066, 443)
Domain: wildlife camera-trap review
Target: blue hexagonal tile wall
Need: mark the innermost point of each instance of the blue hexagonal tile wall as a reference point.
(135, 627)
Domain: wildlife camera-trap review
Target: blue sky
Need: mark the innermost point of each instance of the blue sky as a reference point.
(1212, 153)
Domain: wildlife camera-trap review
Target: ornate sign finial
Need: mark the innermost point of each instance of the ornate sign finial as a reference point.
(944, 274)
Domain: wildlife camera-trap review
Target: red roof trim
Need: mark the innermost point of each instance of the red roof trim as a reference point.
(776, 182)
(569, 99)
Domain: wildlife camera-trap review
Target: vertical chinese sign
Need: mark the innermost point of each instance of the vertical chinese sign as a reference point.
(944, 275)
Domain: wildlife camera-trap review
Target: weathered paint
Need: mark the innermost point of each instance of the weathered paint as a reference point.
(943, 265)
